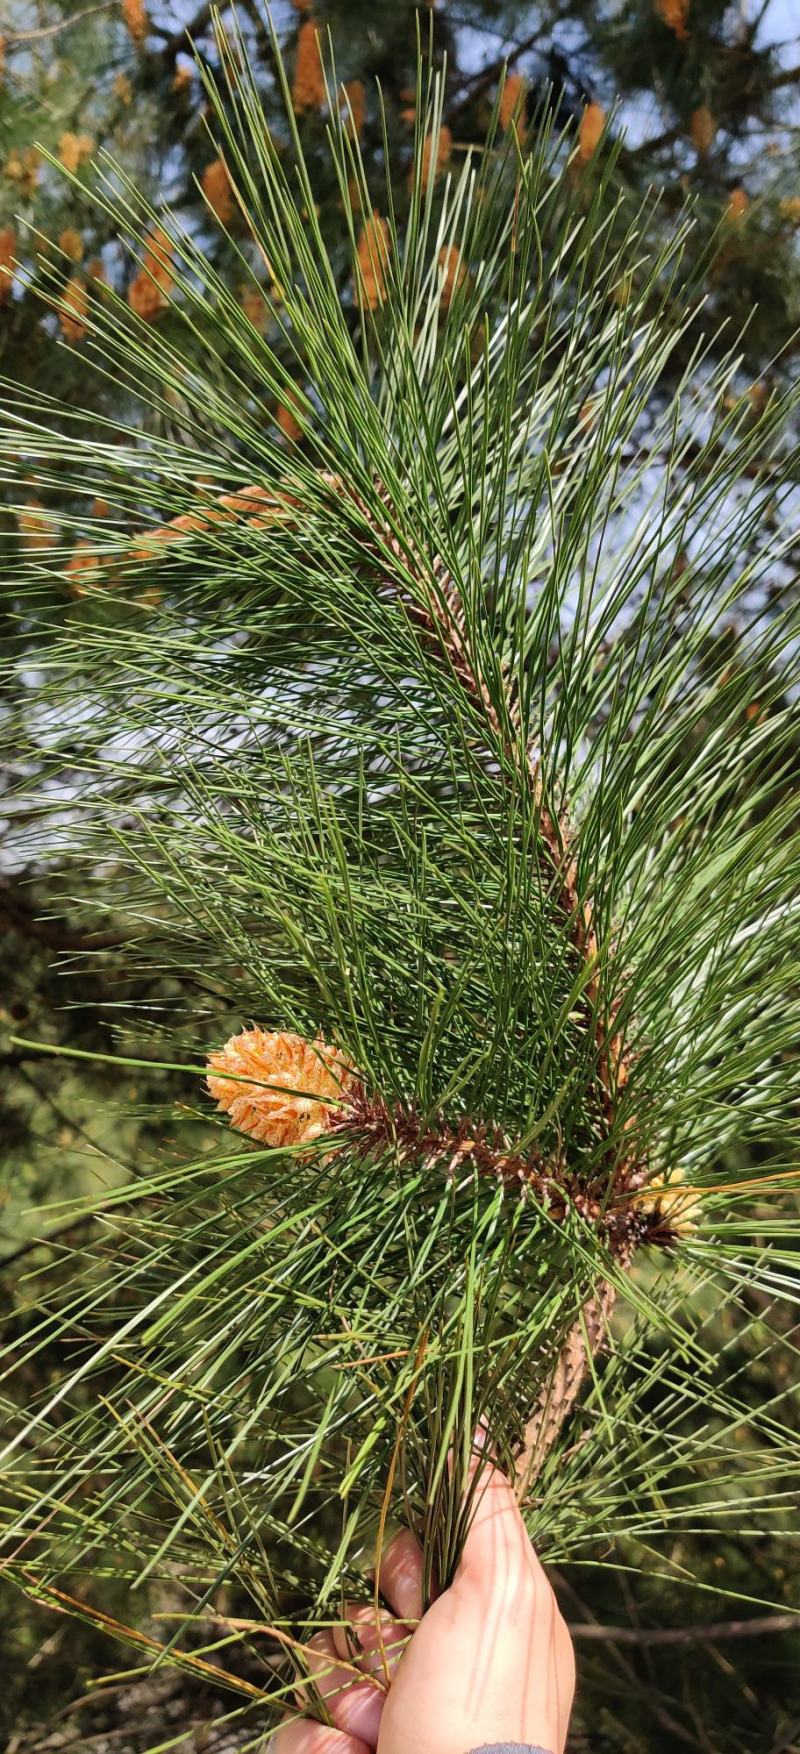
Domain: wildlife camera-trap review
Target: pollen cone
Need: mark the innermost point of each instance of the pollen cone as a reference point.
(296, 1086)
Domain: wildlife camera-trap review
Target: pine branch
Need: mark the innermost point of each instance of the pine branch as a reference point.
(432, 753)
(562, 1391)
(710, 1632)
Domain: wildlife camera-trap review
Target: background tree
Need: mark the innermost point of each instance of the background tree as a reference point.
(151, 288)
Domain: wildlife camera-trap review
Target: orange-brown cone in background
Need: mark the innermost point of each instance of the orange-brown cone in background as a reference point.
(512, 102)
(36, 529)
(297, 1085)
(136, 21)
(455, 275)
(8, 251)
(308, 87)
(674, 13)
(216, 185)
(590, 131)
(703, 129)
(738, 203)
(432, 167)
(71, 242)
(74, 310)
(373, 259)
(354, 106)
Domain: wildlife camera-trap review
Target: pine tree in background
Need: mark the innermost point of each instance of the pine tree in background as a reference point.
(408, 734)
(707, 92)
(419, 705)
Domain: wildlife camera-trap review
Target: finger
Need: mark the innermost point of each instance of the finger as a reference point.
(497, 1544)
(370, 1638)
(301, 1737)
(355, 1706)
(400, 1576)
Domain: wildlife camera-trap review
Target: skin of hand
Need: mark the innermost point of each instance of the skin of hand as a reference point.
(490, 1662)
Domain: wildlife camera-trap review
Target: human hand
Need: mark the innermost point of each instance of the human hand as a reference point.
(490, 1664)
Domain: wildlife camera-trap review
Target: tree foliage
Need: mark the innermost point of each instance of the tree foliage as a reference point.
(415, 623)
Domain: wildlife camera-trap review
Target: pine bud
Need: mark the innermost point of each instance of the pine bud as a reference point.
(296, 1087)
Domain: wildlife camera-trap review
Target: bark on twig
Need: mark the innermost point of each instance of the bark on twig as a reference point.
(714, 1632)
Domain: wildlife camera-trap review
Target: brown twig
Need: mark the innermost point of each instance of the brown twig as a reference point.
(711, 1632)
(54, 30)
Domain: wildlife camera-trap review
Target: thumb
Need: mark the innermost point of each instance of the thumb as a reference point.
(497, 1549)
